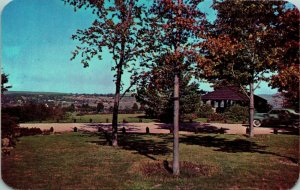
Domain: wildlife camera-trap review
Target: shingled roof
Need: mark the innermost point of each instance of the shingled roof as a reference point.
(226, 93)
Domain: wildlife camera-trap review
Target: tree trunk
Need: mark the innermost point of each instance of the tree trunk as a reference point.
(176, 171)
(251, 110)
(116, 108)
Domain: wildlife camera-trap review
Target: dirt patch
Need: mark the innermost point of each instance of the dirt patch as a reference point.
(187, 169)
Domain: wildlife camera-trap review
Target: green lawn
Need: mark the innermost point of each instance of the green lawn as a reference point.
(84, 161)
(103, 118)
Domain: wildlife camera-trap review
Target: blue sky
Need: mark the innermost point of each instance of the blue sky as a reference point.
(36, 50)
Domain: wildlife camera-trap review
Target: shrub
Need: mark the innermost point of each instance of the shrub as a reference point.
(190, 117)
(25, 131)
(237, 113)
(217, 117)
(9, 125)
(205, 111)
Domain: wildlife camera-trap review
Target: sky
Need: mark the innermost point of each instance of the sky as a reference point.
(37, 45)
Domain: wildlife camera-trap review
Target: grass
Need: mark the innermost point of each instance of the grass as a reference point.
(104, 118)
(84, 161)
(107, 118)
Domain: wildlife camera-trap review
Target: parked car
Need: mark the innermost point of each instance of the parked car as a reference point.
(277, 117)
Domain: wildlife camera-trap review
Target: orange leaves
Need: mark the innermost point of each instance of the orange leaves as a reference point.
(222, 45)
(287, 81)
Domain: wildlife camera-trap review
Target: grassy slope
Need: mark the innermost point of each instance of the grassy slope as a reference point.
(82, 161)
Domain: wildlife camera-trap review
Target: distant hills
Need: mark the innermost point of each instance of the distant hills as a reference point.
(50, 93)
(35, 93)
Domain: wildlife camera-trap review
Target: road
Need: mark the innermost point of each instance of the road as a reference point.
(157, 128)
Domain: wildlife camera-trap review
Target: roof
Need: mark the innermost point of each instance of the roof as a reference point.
(226, 93)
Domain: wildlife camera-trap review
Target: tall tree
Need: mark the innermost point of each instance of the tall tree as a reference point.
(241, 45)
(117, 28)
(288, 75)
(172, 31)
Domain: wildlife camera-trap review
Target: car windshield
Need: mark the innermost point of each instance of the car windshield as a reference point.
(277, 111)
(292, 111)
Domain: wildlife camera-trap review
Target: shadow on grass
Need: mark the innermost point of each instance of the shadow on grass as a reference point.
(195, 127)
(280, 129)
(144, 117)
(138, 143)
(230, 146)
(149, 147)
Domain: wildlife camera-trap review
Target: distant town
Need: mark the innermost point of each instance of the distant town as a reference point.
(65, 100)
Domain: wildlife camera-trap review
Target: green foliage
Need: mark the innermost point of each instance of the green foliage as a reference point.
(4, 80)
(34, 112)
(100, 107)
(237, 113)
(135, 108)
(31, 131)
(217, 117)
(9, 125)
(205, 110)
(71, 108)
(157, 94)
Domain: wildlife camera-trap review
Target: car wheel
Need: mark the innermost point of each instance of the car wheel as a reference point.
(256, 123)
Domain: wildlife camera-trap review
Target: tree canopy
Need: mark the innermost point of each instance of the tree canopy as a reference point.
(4, 80)
(241, 46)
(288, 75)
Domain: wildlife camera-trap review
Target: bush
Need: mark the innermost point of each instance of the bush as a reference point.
(25, 131)
(9, 128)
(205, 111)
(237, 113)
(190, 117)
(217, 117)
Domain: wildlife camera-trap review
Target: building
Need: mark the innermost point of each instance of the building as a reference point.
(226, 96)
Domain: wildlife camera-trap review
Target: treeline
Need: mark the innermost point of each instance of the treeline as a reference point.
(100, 108)
(34, 112)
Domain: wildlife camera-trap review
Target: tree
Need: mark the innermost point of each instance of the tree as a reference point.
(242, 40)
(171, 31)
(4, 80)
(135, 107)
(9, 123)
(71, 108)
(288, 76)
(287, 81)
(100, 107)
(156, 94)
(116, 28)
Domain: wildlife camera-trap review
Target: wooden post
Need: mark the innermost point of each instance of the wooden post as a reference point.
(251, 110)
